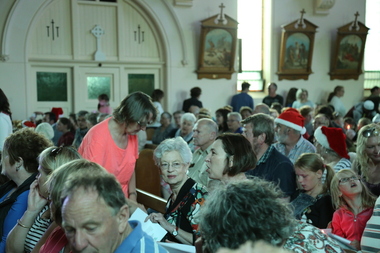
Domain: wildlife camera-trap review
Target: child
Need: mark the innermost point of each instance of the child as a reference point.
(354, 203)
(104, 105)
(313, 201)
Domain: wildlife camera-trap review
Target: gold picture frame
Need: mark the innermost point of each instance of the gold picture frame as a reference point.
(296, 53)
(347, 59)
(217, 50)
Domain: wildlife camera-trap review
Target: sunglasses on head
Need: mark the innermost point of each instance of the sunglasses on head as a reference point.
(370, 132)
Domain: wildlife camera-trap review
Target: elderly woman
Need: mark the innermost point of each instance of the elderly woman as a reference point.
(19, 164)
(367, 164)
(163, 131)
(186, 129)
(113, 142)
(252, 210)
(173, 157)
(36, 218)
(230, 157)
(330, 143)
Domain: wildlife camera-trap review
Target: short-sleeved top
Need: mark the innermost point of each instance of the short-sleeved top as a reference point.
(268, 100)
(184, 211)
(297, 104)
(241, 99)
(302, 146)
(98, 146)
(275, 167)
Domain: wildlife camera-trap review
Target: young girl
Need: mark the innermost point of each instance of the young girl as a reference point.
(313, 202)
(354, 203)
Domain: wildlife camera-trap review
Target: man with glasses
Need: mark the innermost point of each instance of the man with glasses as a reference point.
(82, 128)
(289, 130)
(271, 164)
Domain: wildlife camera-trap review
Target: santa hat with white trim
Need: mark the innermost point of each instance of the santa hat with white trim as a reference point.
(293, 119)
(332, 138)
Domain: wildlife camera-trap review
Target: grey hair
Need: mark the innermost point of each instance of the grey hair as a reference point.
(236, 114)
(266, 217)
(188, 117)
(211, 125)
(174, 144)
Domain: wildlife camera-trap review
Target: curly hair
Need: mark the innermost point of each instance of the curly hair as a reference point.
(240, 148)
(257, 202)
(173, 144)
(27, 145)
(368, 199)
(362, 158)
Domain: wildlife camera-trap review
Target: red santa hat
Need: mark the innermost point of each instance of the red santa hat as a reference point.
(27, 123)
(293, 119)
(332, 138)
(57, 111)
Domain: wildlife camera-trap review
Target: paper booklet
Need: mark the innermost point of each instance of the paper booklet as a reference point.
(343, 242)
(152, 229)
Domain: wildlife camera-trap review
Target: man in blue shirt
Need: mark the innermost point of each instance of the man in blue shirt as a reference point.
(95, 217)
(271, 164)
(242, 99)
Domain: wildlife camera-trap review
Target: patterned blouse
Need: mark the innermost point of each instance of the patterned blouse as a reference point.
(184, 210)
(307, 238)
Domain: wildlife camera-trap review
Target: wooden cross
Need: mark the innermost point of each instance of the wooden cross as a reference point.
(355, 24)
(221, 19)
(300, 22)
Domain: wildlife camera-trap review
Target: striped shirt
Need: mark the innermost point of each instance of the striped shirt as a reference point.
(371, 237)
(37, 230)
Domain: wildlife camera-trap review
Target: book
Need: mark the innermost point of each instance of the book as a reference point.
(152, 229)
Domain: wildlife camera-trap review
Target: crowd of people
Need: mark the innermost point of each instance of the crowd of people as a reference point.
(270, 173)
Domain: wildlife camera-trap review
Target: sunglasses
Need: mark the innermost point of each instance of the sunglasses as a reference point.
(55, 152)
(370, 132)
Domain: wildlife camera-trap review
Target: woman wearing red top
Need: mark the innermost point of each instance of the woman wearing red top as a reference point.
(354, 203)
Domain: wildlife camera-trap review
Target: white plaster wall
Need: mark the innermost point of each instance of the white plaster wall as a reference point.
(319, 83)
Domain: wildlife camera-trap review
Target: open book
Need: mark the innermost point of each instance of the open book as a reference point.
(343, 242)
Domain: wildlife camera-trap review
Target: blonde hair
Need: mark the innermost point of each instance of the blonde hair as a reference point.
(367, 198)
(313, 162)
(362, 158)
(53, 157)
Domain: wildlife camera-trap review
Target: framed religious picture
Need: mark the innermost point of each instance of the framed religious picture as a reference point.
(217, 50)
(347, 59)
(296, 53)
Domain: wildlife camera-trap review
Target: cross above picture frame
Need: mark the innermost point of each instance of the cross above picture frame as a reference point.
(347, 59)
(217, 50)
(296, 53)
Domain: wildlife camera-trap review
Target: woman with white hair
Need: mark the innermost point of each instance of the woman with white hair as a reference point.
(186, 129)
(173, 157)
(302, 99)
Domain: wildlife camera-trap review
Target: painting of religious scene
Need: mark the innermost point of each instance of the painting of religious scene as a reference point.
(218, 47)
(349, 52)
(297, 51)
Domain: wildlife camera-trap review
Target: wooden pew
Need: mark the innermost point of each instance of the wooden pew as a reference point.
(151, 201)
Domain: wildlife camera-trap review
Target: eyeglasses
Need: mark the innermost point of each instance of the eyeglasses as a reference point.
(174, 165)
(143, 124)
(56, 151)
(370, 132)
(347, 179)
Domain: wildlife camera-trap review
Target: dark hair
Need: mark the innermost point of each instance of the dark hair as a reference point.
(245, 86)
(224, 112)
(274, 84)
(277, 106)
(291, 97)
(92, 118)
(26, 144)
(375, 88)
(52, 116)
(66, 122)
(326, 110)
(332, 94)
(168, 115)
(82, 113)
(4, 103)
(258, 202)
(238, 146)
(157, 95)
(261, 124)
(135, 107)
(195, 92)
(103, 97)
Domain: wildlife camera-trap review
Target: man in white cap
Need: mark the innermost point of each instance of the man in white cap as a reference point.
(363, 109)
(289, 130)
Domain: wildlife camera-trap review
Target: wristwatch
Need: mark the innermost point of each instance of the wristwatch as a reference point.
(175, 232)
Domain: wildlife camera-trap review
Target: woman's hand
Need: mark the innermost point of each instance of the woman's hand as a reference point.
(355, 244)
(159, 218)
(35, 201)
